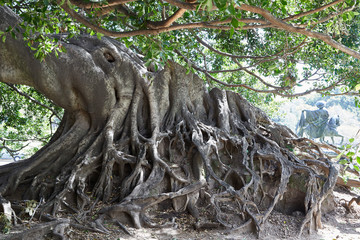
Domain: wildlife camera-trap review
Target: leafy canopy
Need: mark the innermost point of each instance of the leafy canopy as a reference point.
(251, 46)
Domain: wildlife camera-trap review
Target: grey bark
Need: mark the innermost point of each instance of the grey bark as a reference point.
(138, 139)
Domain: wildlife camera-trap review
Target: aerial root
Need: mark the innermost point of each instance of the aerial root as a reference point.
(136, 207)
(315, 197)
(222, 158)
(286, 162)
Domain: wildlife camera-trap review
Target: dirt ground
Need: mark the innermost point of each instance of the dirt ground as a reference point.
(338, 224)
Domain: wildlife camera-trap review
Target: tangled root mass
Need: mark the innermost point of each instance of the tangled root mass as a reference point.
(139, 141)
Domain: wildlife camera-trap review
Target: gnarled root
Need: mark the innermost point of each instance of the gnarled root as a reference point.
(172, 142)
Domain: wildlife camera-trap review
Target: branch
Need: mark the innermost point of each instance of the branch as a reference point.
(287, 27)
(210, 25)
(167, 23)
(329, 17)
(276, 90)
(193, 65)
(33, 99)
(193, 7)
(228, 54)
(184, 5)
(90, 4)
(106, 10)
(264, 58)
(24, 140)
(313, 74)
(318, 90)
(347, 93)
(164, 26)
(235, 57)
(258, 77)
(9, 150)
(313, 11)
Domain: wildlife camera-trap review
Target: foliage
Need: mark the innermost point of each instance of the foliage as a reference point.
(31, 207)
(25, 118)
(5, 223)
(123, 138)
(254, 46)
(350, 155)
(344, 101)
(212, 36)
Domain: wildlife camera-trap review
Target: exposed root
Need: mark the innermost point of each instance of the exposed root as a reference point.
(136, 207)
(53, 228)
(170, 142)
(347, 205)
(123, 227)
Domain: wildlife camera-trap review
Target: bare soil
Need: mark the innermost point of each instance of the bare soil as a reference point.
(338, 224)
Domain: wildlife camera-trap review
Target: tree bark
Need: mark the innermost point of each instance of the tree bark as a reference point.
(136, 140)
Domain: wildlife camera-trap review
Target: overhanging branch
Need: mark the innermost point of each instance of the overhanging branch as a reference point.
(287, 27)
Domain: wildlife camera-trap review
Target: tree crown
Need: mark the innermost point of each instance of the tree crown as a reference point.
(253, 46)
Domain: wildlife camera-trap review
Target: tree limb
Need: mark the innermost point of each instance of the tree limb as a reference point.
(316, 10)
(287, 27)
(91, 4)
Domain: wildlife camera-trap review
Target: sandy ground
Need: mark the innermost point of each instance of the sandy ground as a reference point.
(337, 225)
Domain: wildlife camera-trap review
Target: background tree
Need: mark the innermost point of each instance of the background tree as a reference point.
(126, 128)
(26, 117)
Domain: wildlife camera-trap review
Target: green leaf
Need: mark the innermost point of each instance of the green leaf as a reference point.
(3, 38)
(231, 9)
(99, 35)
(272, 66)
(186, 14)
(232, 31)
(357, 87)
(13, 34)
(235, 23)
(209, 5)
(350, 154)
(343, 161)
(358, 159)
(220, 4)
(357, 168)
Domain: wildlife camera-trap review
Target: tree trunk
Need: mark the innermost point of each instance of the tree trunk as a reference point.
(136, 139)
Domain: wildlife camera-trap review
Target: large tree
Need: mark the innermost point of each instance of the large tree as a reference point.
(139, 130)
